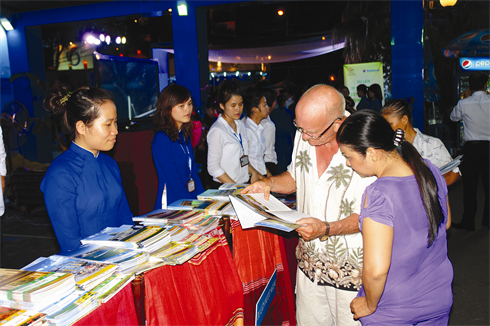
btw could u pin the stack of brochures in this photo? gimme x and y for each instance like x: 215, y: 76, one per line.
x: 227, y: 186
x: 111, y: 286
x: 148, y: 238
x: 12, y: 316
x: 88, y: 274
x: 75, y: 310
x: 28, y: 290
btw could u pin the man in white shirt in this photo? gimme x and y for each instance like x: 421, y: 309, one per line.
x: 256, y: 109
x: 329, y: 252
x: 474, y: 110
x: 269, y: 131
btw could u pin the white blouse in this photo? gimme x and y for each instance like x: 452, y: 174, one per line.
x: 270, y: 140
x: 225, y: 151
x: 256, y: 143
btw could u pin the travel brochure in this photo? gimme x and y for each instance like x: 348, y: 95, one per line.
x: 451, y: 165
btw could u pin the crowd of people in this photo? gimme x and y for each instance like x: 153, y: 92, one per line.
x: 374, y: 250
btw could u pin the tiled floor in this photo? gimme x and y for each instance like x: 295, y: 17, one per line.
x: 25, y: 238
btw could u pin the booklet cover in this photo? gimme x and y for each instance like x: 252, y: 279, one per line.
x: 451, y: 165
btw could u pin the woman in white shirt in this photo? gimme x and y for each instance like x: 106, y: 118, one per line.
x: 398, y: 114
x: 228, y: 148
x: 256, y: 109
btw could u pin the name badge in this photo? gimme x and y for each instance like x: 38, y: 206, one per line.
x: 191, y: 185
x: 244, y: 160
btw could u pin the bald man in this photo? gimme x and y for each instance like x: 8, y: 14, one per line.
x: 329, y: 251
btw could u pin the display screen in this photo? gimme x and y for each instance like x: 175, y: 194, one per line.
x: 133, y: 81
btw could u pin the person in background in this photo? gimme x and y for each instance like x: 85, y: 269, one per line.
x: 228, y: 149
x: 296, y: 96
x: 3, y: 172
x: 345, y: 91
x: 349, y: 104
x: 171, y: 147
x: 375, y: 98
x: 82, y: 188
x: 270, y: 156
x: 327, y: 279
x: 283, y: 120
x: 256, y: 110
x: 196, y: 129
x: 474, y: 110
x: 407, y: 275
x: 362, y: 93
x: 399, y: 116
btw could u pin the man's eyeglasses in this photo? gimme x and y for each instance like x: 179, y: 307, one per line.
x: 301, y: 130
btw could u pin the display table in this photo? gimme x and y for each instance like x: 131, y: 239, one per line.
x: 119, y: 310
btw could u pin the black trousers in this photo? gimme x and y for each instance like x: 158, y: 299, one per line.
x: 475, y: 167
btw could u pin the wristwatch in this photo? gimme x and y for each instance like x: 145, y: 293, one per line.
x: 327, y: 232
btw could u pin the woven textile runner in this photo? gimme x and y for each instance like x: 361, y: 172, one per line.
x: 257, y: 253
x: 204, y: 291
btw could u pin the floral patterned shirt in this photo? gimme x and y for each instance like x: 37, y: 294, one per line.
x: 332, y: 197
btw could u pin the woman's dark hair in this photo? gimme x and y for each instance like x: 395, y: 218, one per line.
x: 171, y: 96
x: 226, y: 90
x: 397, y: 108
x: 82, y: 104
x: 376, y: 89
x: 362, y: 88
x: 281, y: 101
x: 270, y: 96
x: 251, y: 99
x: 367, y: 128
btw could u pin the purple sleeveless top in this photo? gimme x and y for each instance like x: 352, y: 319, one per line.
x: 418, y: 285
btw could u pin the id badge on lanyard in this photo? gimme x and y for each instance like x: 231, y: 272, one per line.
x: 191, y: 185
x: 243, y: 158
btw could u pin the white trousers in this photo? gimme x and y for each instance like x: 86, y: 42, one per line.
x: 322, y: 305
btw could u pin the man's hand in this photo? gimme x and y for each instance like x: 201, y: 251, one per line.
x: 359, y: 308
x: 263, y: 185
x: 311, y: 228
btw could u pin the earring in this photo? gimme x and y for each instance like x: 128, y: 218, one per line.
x: 373, y: 159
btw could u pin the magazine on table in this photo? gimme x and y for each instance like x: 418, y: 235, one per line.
x: 130, y: 237
x: 217, y: 194
x: 254, y: 210
x: 88, y: 274
x: 165, y: 216
x: 226, y: 186
x: 210, y: 207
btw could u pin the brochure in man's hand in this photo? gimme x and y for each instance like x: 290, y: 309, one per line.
x: 451, y: 165
x: 254, y: 210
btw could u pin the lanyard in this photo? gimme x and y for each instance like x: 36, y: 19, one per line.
x: 239, y: 138
x: 186, y: 152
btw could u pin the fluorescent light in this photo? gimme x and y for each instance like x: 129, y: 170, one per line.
x: 6, y: 24
x: 182, y: 9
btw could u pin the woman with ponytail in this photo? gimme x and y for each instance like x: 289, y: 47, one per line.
x: 82, y: 188
x: 404, y: 216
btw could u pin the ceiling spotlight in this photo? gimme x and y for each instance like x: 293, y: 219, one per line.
x: 6, y: 24
x: 108, y: 39
x: 118, y: 40
x: 97, y: 42
x: 102, y: 37
x: 280, y: 12
x: 123, y: 40
x: 169, y: 9
x: 90, y: 39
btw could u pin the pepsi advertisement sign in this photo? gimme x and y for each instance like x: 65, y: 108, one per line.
x: 475, y: 63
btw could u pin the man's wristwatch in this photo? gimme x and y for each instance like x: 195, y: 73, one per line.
x: 327, y: 232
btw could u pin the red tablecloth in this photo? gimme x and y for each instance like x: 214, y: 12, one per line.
x: 204, y: 291
x: 119, y: 310
x: 257, y: 253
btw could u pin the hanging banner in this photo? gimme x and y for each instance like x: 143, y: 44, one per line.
x: 363, y: 73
